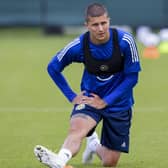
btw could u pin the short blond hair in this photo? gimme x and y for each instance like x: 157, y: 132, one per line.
x: 95, y: 10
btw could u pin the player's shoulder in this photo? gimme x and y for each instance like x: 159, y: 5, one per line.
x: 74, y: 43
x: 79, y: 40
x: 72, y: 47
x: 122, y: 34
x: 125, y: 38
x: 82, y: 37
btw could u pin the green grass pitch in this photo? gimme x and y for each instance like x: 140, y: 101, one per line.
x: 33, y: 111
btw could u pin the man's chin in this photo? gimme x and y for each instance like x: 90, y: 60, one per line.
x: 101, y: 39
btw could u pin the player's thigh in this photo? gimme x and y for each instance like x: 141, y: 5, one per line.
x: 84, y: 119
x: 82, y: 124
x: 115, y: 131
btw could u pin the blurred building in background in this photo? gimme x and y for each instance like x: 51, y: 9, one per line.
x: 153, y: 13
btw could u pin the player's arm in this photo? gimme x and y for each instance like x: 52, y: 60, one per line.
x: 61, y: 82
x: 58, y: 63
x: 128, y: 83
x: 131, y: 69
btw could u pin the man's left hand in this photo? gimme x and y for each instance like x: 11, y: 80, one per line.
x: 94, y: 101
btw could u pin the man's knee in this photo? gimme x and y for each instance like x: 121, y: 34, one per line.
x: 77, y: 133
x: 109, y: 158
x: 109, y: 163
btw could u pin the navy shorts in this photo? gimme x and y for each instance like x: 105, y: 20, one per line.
x: 115, y: 126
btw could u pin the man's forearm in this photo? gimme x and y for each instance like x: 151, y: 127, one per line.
x: 128, y: 83
x: 61, y: 82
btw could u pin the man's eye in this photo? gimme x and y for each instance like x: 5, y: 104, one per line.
x: 95, y: 24
x: 103, y: 23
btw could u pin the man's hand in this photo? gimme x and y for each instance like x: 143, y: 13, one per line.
x: 94, y: 101
x: 79, y: 98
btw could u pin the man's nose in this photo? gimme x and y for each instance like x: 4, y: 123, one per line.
x: 100, y: 27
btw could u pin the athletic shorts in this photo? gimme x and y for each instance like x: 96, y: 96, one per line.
x: 115, y: 126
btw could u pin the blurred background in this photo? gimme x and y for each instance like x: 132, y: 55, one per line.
x: 64, y: 13
x: 31, y: 106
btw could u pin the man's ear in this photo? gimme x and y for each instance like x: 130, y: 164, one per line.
x: 85, y: 24
x: 109, y: 19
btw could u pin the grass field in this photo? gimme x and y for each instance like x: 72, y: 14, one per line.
x: 33, y: 111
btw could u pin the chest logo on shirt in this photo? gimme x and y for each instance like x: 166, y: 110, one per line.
x: 104, y: 68
x: 80, y: 107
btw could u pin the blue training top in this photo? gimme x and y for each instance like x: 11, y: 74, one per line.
x: 117, y: 89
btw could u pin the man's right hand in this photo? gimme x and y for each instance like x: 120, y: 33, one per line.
x: 79, y: 98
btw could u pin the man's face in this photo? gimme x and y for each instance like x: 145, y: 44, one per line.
x: 98, y: 28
